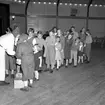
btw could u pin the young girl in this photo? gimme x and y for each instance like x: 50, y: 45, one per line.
x: 74, y: 51
x: 80, y: 52
x: 58, y: 52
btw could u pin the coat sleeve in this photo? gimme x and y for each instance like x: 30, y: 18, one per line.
x: 45, y: 46
x: 10, y: 45
x: 19, y: 52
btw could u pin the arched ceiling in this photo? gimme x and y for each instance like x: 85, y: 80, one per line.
x: 73, y: 1
x: 98, y: 2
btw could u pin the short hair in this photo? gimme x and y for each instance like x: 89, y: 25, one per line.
x: 31, y: 30
x: 88, y: 30
x: 39, y: 32
x: 14, y: 27
x: 57, y: 36
x: 73, y: 27
x: 9, y: 29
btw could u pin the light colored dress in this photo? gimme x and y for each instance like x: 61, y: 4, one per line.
x: 88, y: 43
x: 58, y: 51
x: 50, y: 53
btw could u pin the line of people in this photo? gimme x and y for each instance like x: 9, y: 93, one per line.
x: 34, y: 50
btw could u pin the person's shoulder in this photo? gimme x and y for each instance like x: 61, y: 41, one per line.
x: 47, y: 38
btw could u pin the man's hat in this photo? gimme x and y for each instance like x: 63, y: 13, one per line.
x: 22, y: 38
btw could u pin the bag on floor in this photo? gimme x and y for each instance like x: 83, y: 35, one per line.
x: 18, y: 83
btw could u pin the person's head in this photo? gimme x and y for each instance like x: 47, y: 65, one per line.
x: 67, y: 32
x: 22, y: 38
x: 83, y: 30
x: 88, y: 32
x: 72, y: 29
x: 8, y: 30
x: 54, y: 29
x: 16, y: 30
x: 81, y: 43
x: 58, y: 39
x: 39, y: 34
x: 59, y: 32
x: 77, y: 40
x: 51, y: 33
x: 69, y: 36
x: 31, y: 32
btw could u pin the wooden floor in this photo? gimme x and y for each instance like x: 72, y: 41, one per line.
x: 84, y: 85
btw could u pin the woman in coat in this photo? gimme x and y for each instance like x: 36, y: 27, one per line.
x: 67, y: 48
x: 50, y: 53
x: 88, y: 43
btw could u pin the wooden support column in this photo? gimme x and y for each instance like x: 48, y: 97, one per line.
x: 88, y: 8
x: 26, y: 7
x: 57, y: 12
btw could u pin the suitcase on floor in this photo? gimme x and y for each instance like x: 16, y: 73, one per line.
x: 18, y: 83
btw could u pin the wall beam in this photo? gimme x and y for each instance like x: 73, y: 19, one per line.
x: 26, y: 7
x: 57, y: 12
x: 88, y: 8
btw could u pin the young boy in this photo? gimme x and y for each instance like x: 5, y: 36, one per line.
x: 25, y: 53
x: 80, y: 52
x: 37, y: 57
x: 74, y: 51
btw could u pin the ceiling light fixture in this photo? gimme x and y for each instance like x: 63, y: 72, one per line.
x: 44, y: 3
x: 34, y: 2
x: 85, y: 5
x: 15, y: 0
x: 75, y: 4
x: 65, y: 3
x: 60, y: 3
x: 80, y: 4
x: 91, y: 5
x: 19, y: 1
x: 95, y: 5
x: 24, y: 2
x: 100, y: 5
x: 54, y: 3
x: 49, y: 3
x: 70, y: 4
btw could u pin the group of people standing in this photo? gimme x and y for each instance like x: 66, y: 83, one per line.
x: 30, y: 52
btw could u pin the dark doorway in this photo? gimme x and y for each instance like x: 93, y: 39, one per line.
x: 1, y: 27
x: 4, y: 18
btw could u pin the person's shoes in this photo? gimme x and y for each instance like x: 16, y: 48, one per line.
x: 3, y: 83
x: 46, y: 70
x: 26, y: 89
x: 75, y: 66
x: 12, y: 76
x: 51, y: 71
x: 34, y: 79
x: 66, y: 66
x: 70, y: 63
x: 57, y: 69
x: 40, y: 71
x: 88, y: 62
x: 37, y: 79
x: 6, y: 75
x: 30, y: 85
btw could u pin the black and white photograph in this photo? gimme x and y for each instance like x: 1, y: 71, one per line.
x: 52, y: 52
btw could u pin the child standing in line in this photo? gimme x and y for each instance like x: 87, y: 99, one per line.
x: 37, y: 58
x: 24, y: 52
x: 58, y: 48
x: 74, y: 51
x: 80, y: 52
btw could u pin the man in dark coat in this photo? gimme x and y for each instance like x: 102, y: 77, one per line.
x: 25, y: 53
